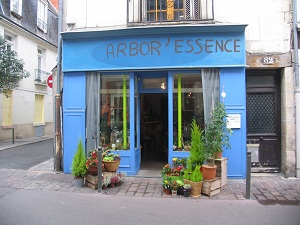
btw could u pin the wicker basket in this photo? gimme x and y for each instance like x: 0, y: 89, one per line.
x: 111, y: 166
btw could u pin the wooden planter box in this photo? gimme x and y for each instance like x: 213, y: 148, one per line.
x: 211, y: 187
x: 222, y: 170
x: 92, y: 180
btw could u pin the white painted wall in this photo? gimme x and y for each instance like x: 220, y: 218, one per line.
x: 268, y: 30
x: 95, y: 13
x: 24, y: 95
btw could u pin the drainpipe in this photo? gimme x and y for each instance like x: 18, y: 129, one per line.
x: 57, y: 125
x: 297, y: 88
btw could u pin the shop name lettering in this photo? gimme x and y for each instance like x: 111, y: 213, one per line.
x: 190, y: 46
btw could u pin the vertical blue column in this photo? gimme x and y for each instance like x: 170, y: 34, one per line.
x: 74, y: 93
x: 233, y: 83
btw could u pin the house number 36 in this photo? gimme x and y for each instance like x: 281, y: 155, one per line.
x: 268, y: 60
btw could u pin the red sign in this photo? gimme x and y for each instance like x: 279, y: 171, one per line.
x: 49, y: 81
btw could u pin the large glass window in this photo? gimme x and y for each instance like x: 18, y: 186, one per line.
x: 188, y: 105
x: 114, y: 111
x: 195, y: 96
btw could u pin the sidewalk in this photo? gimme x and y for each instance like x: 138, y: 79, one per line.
x: 42, y: 177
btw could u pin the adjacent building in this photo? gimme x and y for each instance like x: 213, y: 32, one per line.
x: 137, y: 72
x: 31, y: 28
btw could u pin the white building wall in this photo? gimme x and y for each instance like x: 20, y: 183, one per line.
x: 24, y: 95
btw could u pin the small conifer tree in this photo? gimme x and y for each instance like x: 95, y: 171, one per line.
x: 78, y: 165
x: 197, y: 151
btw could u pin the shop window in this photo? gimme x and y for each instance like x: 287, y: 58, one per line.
x: 114, y: 112
x: 194, y: 96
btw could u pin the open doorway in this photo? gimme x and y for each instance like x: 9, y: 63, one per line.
x: 154, y: 131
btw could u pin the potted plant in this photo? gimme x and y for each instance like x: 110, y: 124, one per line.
x: 105, y: 182
x: 187, y: 190
x: 78, y: 165
x: 197, y: 151
x: 166, y: 181
x: 195, y: 179
x: 111, y: 161
x: 216, y: 136
x: 166, y: 170
x: 92, y: 162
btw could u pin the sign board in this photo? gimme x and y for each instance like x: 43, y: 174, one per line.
x: 49, y: 81
x: 234, y: 121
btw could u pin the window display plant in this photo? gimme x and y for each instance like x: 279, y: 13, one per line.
x: 216, y: 134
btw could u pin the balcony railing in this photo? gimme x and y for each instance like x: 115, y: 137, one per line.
x: 41, y: 76
x: 157, y: 11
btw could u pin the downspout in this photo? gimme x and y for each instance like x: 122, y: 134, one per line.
x: 57, y: 124
x: 297, y: 88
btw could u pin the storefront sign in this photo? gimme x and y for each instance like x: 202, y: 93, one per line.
x: 155, y: 50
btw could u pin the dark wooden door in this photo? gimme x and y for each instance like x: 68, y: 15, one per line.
x: 263, y: 119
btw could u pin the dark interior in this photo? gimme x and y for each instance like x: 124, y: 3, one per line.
x: 154, y: 128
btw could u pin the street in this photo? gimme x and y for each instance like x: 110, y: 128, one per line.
x: 26, y: 156
x: 34, y: 207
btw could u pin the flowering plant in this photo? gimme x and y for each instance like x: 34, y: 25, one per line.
x: 93, y: 159
x: 166, y: 169
x: 166, y: 182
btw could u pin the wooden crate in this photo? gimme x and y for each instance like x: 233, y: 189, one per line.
x: 91, y: 181
x: 211, y: 187
x: 222, y: 170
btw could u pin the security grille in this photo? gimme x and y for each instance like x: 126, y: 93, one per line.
x: 261, y: 113
x: 192, y: 9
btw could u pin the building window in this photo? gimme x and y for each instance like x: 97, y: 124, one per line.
x: 114, y: 112
x: 195, y: 97
x: 42, y: 16
x: 7, y: 109
x: 40, y: 75
x: 169, y: 10
x: 10, y: 41
x: 16, y: 7
x: 39, y: 109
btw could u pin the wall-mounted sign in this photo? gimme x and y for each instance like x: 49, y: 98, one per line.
x: 234, y: 121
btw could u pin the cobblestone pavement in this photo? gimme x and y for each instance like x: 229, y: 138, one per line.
x: 272, y: 187
x: 42, y: 177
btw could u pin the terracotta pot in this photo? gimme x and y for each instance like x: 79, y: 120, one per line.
x: 112, y: 185
x: 168, y: 191
x: 209, y: 172
x: 218, y: 155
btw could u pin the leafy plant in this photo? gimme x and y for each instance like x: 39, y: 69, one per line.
x: 78, y: 164
x: 196, y: 175
x: 11, y: 68
x: 216, y: 133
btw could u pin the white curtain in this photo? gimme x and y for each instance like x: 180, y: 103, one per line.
x: 92, y: 110
x: 211, y: 90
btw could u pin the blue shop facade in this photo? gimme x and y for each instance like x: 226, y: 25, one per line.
x: 136, y: 91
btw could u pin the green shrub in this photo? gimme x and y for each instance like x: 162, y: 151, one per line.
x: 196, y: 175
x: 197, y: 151
x: 78, y: 165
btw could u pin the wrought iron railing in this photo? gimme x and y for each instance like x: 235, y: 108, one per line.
x: 153, y: 11
x: 41, y: 76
